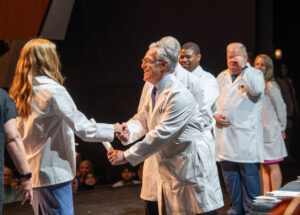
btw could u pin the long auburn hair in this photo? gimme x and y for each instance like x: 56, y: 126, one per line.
x: 38, y: 57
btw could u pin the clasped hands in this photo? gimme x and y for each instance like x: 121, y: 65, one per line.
x: 121, y: 131
x: 116, y: 157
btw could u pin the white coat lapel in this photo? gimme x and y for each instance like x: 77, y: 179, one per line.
x: 159, y: 104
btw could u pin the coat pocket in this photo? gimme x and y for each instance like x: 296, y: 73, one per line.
x: 178, y: 172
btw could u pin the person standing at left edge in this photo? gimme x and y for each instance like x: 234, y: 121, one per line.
x: 171, y: 123
x: 10, y: 137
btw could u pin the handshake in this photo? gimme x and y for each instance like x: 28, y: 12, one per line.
x: 116, y: 157
x: 121, y: 131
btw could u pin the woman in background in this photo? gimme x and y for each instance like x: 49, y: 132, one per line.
x: 274, y: 124
x: 47, y: 123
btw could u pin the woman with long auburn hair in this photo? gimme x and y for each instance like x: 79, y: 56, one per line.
x: 274, y: 119
x: 47, y: 123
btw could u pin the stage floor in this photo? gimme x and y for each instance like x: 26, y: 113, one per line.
x: 126, y: 200
x: 102, y: 201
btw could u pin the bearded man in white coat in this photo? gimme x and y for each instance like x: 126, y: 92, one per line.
x: 239, y: 133
x: 187, y: 178
x: 203, y: 99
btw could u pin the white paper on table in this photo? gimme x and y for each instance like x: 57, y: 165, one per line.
x: 107, y: 145
x: 266, y: 199
x: 282, y: 193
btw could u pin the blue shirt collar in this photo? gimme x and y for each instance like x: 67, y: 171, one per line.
x: 162, y: 83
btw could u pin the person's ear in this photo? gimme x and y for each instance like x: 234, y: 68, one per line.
x: 164, y: 65
x: 198, y: 57
x: 179, y: 53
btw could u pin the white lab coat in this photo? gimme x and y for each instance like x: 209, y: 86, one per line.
x: 274, y: 122
x: 204, y: 96
x: 209, y: 94
x: 188, y: 178
x: 241, y: 103
x: 48, y: 135
x: 210, y: 87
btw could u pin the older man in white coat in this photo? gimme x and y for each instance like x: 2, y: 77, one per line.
x: 187, y: 181
x: 202, y: 97
x: 239, y: 141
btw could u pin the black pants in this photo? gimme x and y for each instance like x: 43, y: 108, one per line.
x: 151, y: 207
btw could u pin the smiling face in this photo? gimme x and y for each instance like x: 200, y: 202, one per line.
x: 84, y: 168
x: 260, y: 64
x: 154, y: 68
x: 189, y: 59
x: 265, y: 64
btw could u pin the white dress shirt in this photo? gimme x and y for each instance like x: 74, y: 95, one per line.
x: 48, y: 133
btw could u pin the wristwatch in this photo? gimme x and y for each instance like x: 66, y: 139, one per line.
x: 26, y: 176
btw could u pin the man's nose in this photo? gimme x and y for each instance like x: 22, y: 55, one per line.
x: 143, y: 65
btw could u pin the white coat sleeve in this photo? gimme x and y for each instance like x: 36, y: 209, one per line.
x: 211, y: 94
x: 220, y: 89
x: 88, y: 131
x: 137, y: 127
x: 206, y: 93
x: 175, y: 118
x: 278, y: 103
x: 254, y: 80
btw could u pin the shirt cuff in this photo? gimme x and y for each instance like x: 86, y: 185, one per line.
x: 106, y: 131
x: 131, y: 158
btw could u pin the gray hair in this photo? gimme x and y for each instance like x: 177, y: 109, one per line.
x: 166, y: 53
x: 239, y: 46
x: 172, y: 42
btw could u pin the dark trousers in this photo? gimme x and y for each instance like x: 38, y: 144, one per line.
x: 242, y: 183
x: 151, y: 207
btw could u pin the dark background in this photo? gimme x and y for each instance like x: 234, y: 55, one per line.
x: 106, y: 40
x: 104, y: 45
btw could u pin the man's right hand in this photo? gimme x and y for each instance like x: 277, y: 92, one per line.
x: 221, y: 121
x: 116, y: 157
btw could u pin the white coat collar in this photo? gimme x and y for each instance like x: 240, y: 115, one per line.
x: 38, y: 80
x: 227, y: 74
x: 198, y: 71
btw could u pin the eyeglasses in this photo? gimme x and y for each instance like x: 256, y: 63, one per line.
x: 149, y: 60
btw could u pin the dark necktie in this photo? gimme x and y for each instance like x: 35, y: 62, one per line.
x: 233, y: 77
x: 153, y: 94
